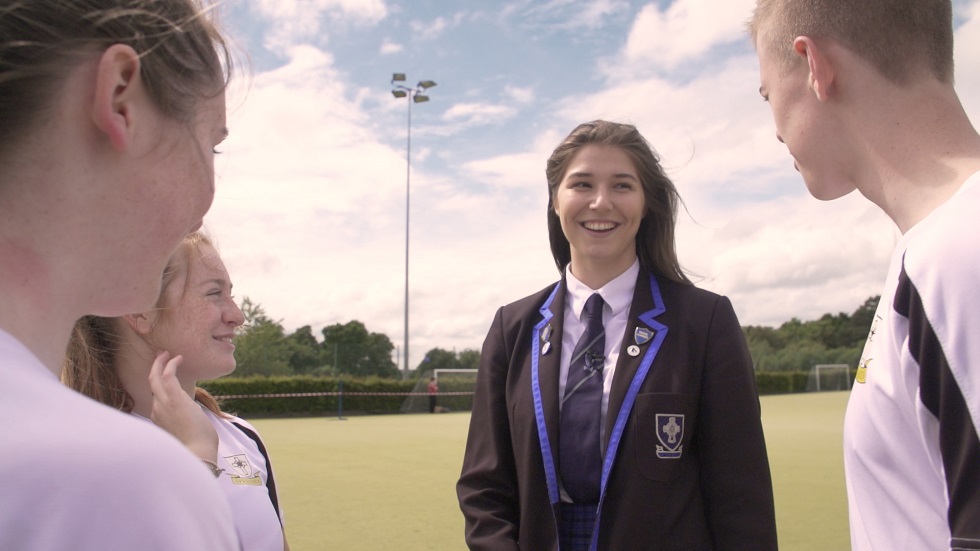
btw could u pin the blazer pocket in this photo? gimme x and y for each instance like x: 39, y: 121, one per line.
x: 663, y: 425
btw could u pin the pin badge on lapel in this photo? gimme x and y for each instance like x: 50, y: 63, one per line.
x: 546, y: 338
x: 642, y: 335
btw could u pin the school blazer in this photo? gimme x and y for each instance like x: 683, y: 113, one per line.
x: 686, y: 467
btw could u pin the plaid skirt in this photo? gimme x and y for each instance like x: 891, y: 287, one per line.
x: 575, y: 529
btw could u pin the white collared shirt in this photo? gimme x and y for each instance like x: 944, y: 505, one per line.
x: 617, y: 295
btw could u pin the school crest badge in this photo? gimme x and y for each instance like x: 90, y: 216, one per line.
x: 240, y: 464
x: 670, y: 433
x: 242, y: 470
x: 642, y: 335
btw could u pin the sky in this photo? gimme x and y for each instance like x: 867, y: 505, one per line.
x: 309, y: 213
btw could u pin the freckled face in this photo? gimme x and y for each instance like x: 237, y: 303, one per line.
x: 200, y: 317
x: 163, y: 197
x: 600, y: 204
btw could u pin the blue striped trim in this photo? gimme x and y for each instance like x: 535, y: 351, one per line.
x: 617, y: 433
x: 551, y: 476
x: 624, y: 412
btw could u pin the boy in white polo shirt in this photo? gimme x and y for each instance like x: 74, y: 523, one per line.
x: 862, y: 96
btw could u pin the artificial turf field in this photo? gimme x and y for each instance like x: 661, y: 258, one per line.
x: 388, y: 482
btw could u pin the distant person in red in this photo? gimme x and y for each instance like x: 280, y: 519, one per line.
x: 433, y: 389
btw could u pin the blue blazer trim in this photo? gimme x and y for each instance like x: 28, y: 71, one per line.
x: 551, y: 474
x: 660, y: 331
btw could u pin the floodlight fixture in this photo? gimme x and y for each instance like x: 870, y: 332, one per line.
x: 417, y: 96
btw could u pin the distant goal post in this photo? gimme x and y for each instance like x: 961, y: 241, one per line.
x: 456, y: 388
x: 825, y: 377
x: 455, y: 391
x: 437, y: 372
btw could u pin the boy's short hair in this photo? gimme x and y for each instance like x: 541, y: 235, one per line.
x: 898, y: 37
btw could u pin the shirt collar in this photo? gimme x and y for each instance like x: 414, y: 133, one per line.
x: 617, y: 294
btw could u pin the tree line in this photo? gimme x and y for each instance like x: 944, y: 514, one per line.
x: 798, y: 346
x: 263, y: 347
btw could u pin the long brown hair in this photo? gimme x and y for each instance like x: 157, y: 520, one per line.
x: 655, y: 238
x: 184, y: 58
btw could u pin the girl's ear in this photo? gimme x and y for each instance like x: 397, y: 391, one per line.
x: 142, y: 323
x: 117, y: 95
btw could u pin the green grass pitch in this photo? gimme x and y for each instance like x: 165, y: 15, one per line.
x: 388, y: 482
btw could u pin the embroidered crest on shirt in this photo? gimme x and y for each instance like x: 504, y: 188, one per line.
x: 670, y: 432
x: 865, y: 363
x: 241, y: 472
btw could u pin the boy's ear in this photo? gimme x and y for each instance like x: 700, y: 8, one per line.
x: 142, y: 324
x: 822, y: 72
x: 118, y: 94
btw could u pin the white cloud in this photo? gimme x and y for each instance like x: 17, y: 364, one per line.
x: 430, y: 30
x: 684, y: 32
x: 573, y: 14
x: 479, y: 113
x: 359, y: 10
x: 597, y: 9
x: 592, y: 14
x: 295, y: 21
x: 514, y: 172
x: 388, y: 47
x: 792, y: 257
x: 520, y: 95
x: 507, y: 171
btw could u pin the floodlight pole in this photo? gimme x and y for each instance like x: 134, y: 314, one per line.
x: 413, y: 95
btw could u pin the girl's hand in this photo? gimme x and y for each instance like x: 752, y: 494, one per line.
x: 176, y: 412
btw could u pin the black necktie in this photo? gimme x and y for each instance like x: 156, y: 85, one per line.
x: 578, y: 440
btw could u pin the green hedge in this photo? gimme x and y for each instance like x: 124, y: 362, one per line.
x: 781, y: 382
x: 774, y: 382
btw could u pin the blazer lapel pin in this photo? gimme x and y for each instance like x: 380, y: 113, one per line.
x: 641, y: 336
x: 546, y: 338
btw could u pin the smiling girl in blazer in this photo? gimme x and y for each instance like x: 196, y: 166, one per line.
x: 681, y: 461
